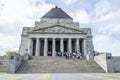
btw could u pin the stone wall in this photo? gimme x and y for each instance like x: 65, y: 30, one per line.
x: 3, y: 64
x: 90, y: 45
x: 116, y: 63
x: 105, y: 61
x: 24, y: 45
x: 14, y: 62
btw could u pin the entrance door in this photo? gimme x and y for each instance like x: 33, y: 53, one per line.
x: 73, y: 45
x: 57, y: 45
x: 42, y: 48
x: 34, y: 47
x: 65, y: 45
x: 49, y: 47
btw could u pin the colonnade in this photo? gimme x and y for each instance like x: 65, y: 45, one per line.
x: 45, y: 42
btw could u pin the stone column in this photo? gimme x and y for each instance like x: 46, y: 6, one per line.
x: 45, y: 47
x: 61, y: 45
x: 85, y: 46
x: 30, y: 46
x: 77, y: 45
x: 69, y: 45
x: 37, y: 51
x: 53, y: 47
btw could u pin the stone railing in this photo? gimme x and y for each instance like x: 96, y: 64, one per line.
x: 26, y: 56
x: 105, y: 61
x: 14, y: 62
x: 90, y: 56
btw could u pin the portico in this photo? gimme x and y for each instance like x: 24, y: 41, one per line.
x: 42, y: 46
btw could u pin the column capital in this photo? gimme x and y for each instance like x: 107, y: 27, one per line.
x: 37, y: 38
x: 45, y: 38
x: 77, y: 38
x: 53, y: 38
x: 84, y: 38
x: 29, y: 38
x: 61, y: 38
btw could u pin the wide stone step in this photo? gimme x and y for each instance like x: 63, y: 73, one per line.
x: 3, y: 68
x: 59, y: 65
x: 62, y: 61
x: 46, y: 57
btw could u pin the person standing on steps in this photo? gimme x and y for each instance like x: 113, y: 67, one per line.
x: 74, y: 55
x: 67, y: 55
x: 80, y: 55
x: 55, y: 53
x: 60, y: 54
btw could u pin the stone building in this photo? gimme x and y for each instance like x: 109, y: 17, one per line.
x: 55, y: 32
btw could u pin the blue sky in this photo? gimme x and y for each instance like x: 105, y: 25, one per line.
x: 103, y: 16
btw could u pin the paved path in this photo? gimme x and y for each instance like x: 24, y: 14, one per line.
x: 68, y: 76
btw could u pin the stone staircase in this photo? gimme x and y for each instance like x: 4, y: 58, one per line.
x: 59, y: 65
x: 3, y: 67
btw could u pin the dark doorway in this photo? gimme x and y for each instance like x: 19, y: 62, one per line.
x: 49, y: 47
x: 73, y: 45
x: 81, y: 44
x: 34, y: 47
x: 65, y: 45
x: 57, y: 45
x: 42, y: 48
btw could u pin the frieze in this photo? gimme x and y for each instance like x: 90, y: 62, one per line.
x: 57, y: 29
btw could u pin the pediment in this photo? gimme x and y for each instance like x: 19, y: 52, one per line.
x: 57, y: 29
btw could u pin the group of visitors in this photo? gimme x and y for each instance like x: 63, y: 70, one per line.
x: 67, y: 55
x: 73, y: 55
x: 59, y: 53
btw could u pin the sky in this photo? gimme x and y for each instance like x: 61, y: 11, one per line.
x: 102, y: 16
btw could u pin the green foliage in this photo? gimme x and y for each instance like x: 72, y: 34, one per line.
x: 8, y: 53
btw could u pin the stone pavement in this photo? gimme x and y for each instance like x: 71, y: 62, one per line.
x: 61, y: 76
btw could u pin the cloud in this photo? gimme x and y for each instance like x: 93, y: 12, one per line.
x: 107, y: 26
x: 18, y: 13
x: 109, y: 22
x: 105, y: 43
x: 69, y: 2
x: 81, y: 16
x: 14, y: 14
x: 1, y: 7
x: 8, y: 42
x: 23, y: 10
x: 110, y: 16
x: 110, y: 29
x: 102, y: 7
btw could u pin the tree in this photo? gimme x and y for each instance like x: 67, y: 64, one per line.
x: 9, y: 52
